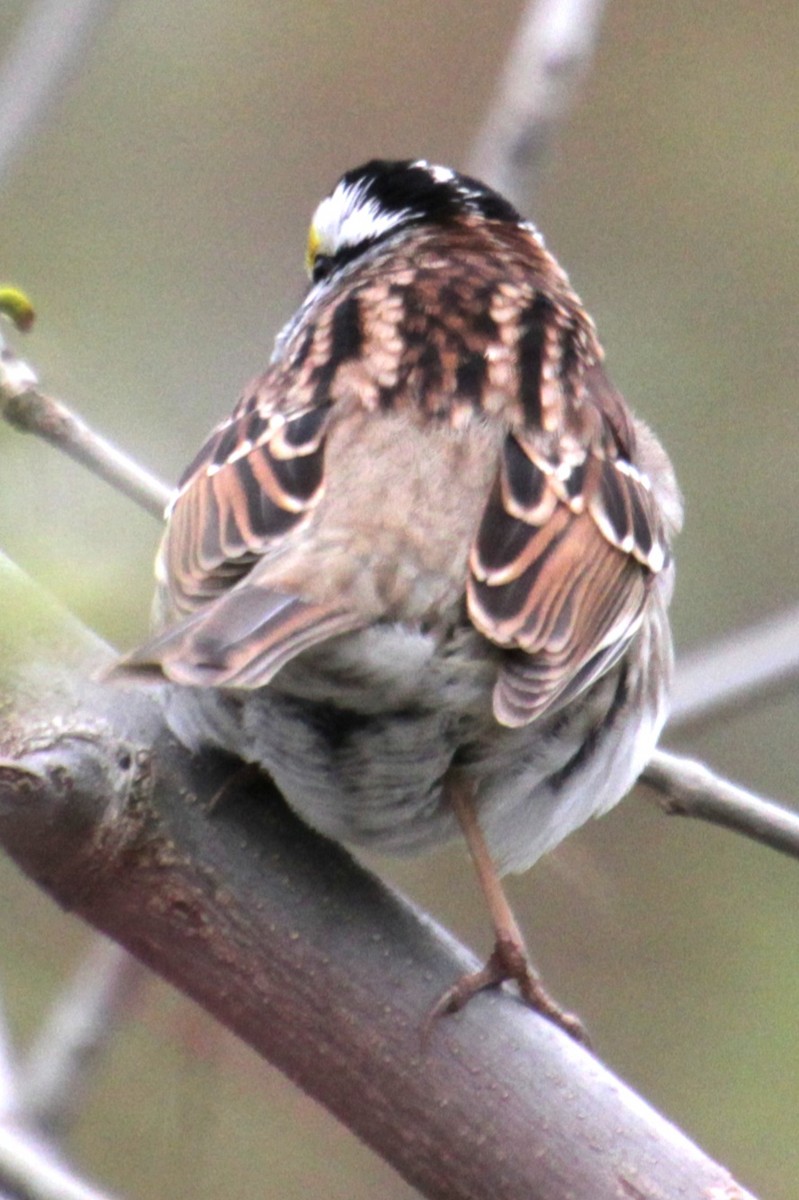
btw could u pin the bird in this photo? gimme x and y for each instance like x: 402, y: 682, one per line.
x: 420, y: 575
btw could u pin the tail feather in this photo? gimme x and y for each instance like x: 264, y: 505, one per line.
x: 241, y: 640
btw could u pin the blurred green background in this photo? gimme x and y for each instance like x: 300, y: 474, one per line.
x: 158, y: 221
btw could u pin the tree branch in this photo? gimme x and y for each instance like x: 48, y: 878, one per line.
x: 30, y: 1172
x: 208, y: 879
x: 737, y: 671
x: 31, y: 411
x: 46, y: 52
x: 689, y: 789
x: 550, y: 54
x: 54, y: 1076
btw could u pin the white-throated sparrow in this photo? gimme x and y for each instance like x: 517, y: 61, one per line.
x: 420, y: 575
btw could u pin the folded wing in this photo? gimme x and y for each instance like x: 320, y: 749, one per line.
x: 251, y: 488
x: 567, y: 550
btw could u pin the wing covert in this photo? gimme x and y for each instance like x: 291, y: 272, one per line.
x: 567, y: 549
x: 256, y: 481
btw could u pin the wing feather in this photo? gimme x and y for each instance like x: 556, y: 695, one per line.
x: 240, y: 499
x: 568, y: 546
x: 240, y: 640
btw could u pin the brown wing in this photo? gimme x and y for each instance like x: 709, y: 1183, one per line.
x: 241, y: 639
x: 254, y: 483
x: 560, y: 570
x: 256, y: 480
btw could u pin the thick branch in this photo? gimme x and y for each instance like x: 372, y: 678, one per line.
x: 208, y: 879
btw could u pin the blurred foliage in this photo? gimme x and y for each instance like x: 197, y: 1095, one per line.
x: 159, y: 220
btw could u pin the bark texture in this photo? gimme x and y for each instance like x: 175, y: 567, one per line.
x: 198, y: 868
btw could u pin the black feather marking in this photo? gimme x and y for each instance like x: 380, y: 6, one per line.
x: 470, y: 376
x: 641, y: 529
x: 587, y: 748
x: 346, y: 339
x: 450, y: 297
x: 266, y: 519
x: 226, y: 444
x: 299, y: 476
x: 534, y: 321
x: 304, y: 348
x: 488, y: 203
x: 430, y: 367
x: 575, y: 480
x: 525, y: 480
x: 569, y: 359
x: 612, y: 493
x: 303, y: 430
x: 505, y: 601
x: 485, y: 326
x: 414, y: 193
x: 481, y: 320
x: 501, y: 537
x: 253, y: 427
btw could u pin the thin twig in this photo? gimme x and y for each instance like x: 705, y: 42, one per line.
x: 29, y: 1171
x: 33, y: 412
x: 690, y: 789
x: 736, y: 670
x: 8, y: 1077
x: 29, y: 410
x: 52, y: 1081
x: 550, y: 54
x: 47, y: 50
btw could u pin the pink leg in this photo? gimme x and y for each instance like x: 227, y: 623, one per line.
x: 509, y: 959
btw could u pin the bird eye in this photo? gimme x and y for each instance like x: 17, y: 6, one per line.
x: 322, y: 266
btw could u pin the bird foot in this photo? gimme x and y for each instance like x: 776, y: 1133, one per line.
x: 509, y: 962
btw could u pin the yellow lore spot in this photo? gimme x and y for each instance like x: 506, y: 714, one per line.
x: 312, y: 249
x: 15, y: 305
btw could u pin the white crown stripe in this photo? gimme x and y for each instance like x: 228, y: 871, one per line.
x: 348, y: 218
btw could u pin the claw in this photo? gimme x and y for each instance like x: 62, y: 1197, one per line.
x: 508, y: 963
x: 509, y: 959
